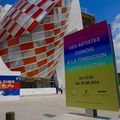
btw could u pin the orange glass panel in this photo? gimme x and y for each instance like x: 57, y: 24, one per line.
x: 29, y: 60
x: 32, y: 73
x: 41, y: 63
x: 4, y: 51
x: 40, y: 50
x: 27, y: 46
x: 13, y: 42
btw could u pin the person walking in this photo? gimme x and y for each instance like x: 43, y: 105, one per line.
x: 57, y: 89
x: 61, y: 89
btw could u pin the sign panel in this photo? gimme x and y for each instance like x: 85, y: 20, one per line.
x: 90, y: 69
x: 9, y: 85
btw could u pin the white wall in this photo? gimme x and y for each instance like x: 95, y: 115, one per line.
x: 75, y: 23
x: 37, y: 91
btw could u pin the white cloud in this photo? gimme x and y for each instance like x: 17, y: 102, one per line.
x: 116, y: 23
x: 116, y: 39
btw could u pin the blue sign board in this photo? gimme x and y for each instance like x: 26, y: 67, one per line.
x: 9, y: 85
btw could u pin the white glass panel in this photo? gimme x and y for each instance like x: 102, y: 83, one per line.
x: 41, y: 56
x: 38, y: 36
x: 29, y: 53
x: 39, y: 43
x: 31, y: 67
x: 25, y: 38
x: 5, y: 58
x: 16, y: 63
x: 50, y: 46
x: 13, y: 49
x: 15, y: 56
x: 22, y: 19
x: 46, y: 5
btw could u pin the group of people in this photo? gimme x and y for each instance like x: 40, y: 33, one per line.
x: 59, y: 89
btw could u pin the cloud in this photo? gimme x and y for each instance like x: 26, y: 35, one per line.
x: 116, y: 39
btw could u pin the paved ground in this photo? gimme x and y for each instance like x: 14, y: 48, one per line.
x: 42, y: 107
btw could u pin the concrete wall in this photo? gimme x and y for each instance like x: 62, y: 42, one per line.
x: 75, y: 24
x: 37, y: 91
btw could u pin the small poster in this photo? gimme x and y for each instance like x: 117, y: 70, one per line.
x: 9, y: 85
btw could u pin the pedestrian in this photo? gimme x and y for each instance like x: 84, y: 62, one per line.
x: 57, y: 89
x: 61, y: 89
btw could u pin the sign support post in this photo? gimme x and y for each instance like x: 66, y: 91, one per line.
x: 91, y: 113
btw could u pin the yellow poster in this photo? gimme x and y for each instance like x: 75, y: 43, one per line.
x: 90, y: 71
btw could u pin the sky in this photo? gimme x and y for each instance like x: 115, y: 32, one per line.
x: 106, y: 10
x: 103, y: 10
x: 9, y: 1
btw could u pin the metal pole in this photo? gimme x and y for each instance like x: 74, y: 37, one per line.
x: 91, y: 113
x: 10, y: 116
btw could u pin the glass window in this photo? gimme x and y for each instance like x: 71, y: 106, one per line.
x: 50, y: 58
x: 22, y: 19
x: 15, y: 56
x: 32, y: 1
x: 41, y: 16
x: 57, y: 48
x: 37, y: 1
x: 3, y: 45
x: 41, y: 56
x: 48, y: 19
x: 20, y: 5
x: 26, y: 7
x: 35, y: 82
x: 29, y: 53
x: 16, y: 63
x: 15, y: 14
x: 39, y: 43
x: 10, y: 11
x: 50, y: 46
x: 56, y: 17
x: 28, y: 23
x: 57, y: 10
x: 42, y: 68
x: 4, y: 37
x: 49, y: 33
x: 61, y: 40
x: 5, y: 58
x: 46, y: 5
x: 38, y: 36
x: 62, y: 28
x: 10, y: 24
x: 57, y: 37
x: 68, y: 8
x: 13, y: 49
x: 39, y: 28
x: 15, y: 30
x: 25, y: 38
x: 57, y: 24
x: 33, y: 11
x: 31, y: 67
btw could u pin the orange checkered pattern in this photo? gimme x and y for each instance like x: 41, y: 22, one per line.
x: 31, y: 36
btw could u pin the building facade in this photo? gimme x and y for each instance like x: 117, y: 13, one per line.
x: 31, y: 36
x: 88, y: 19
x: 4, y: 10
